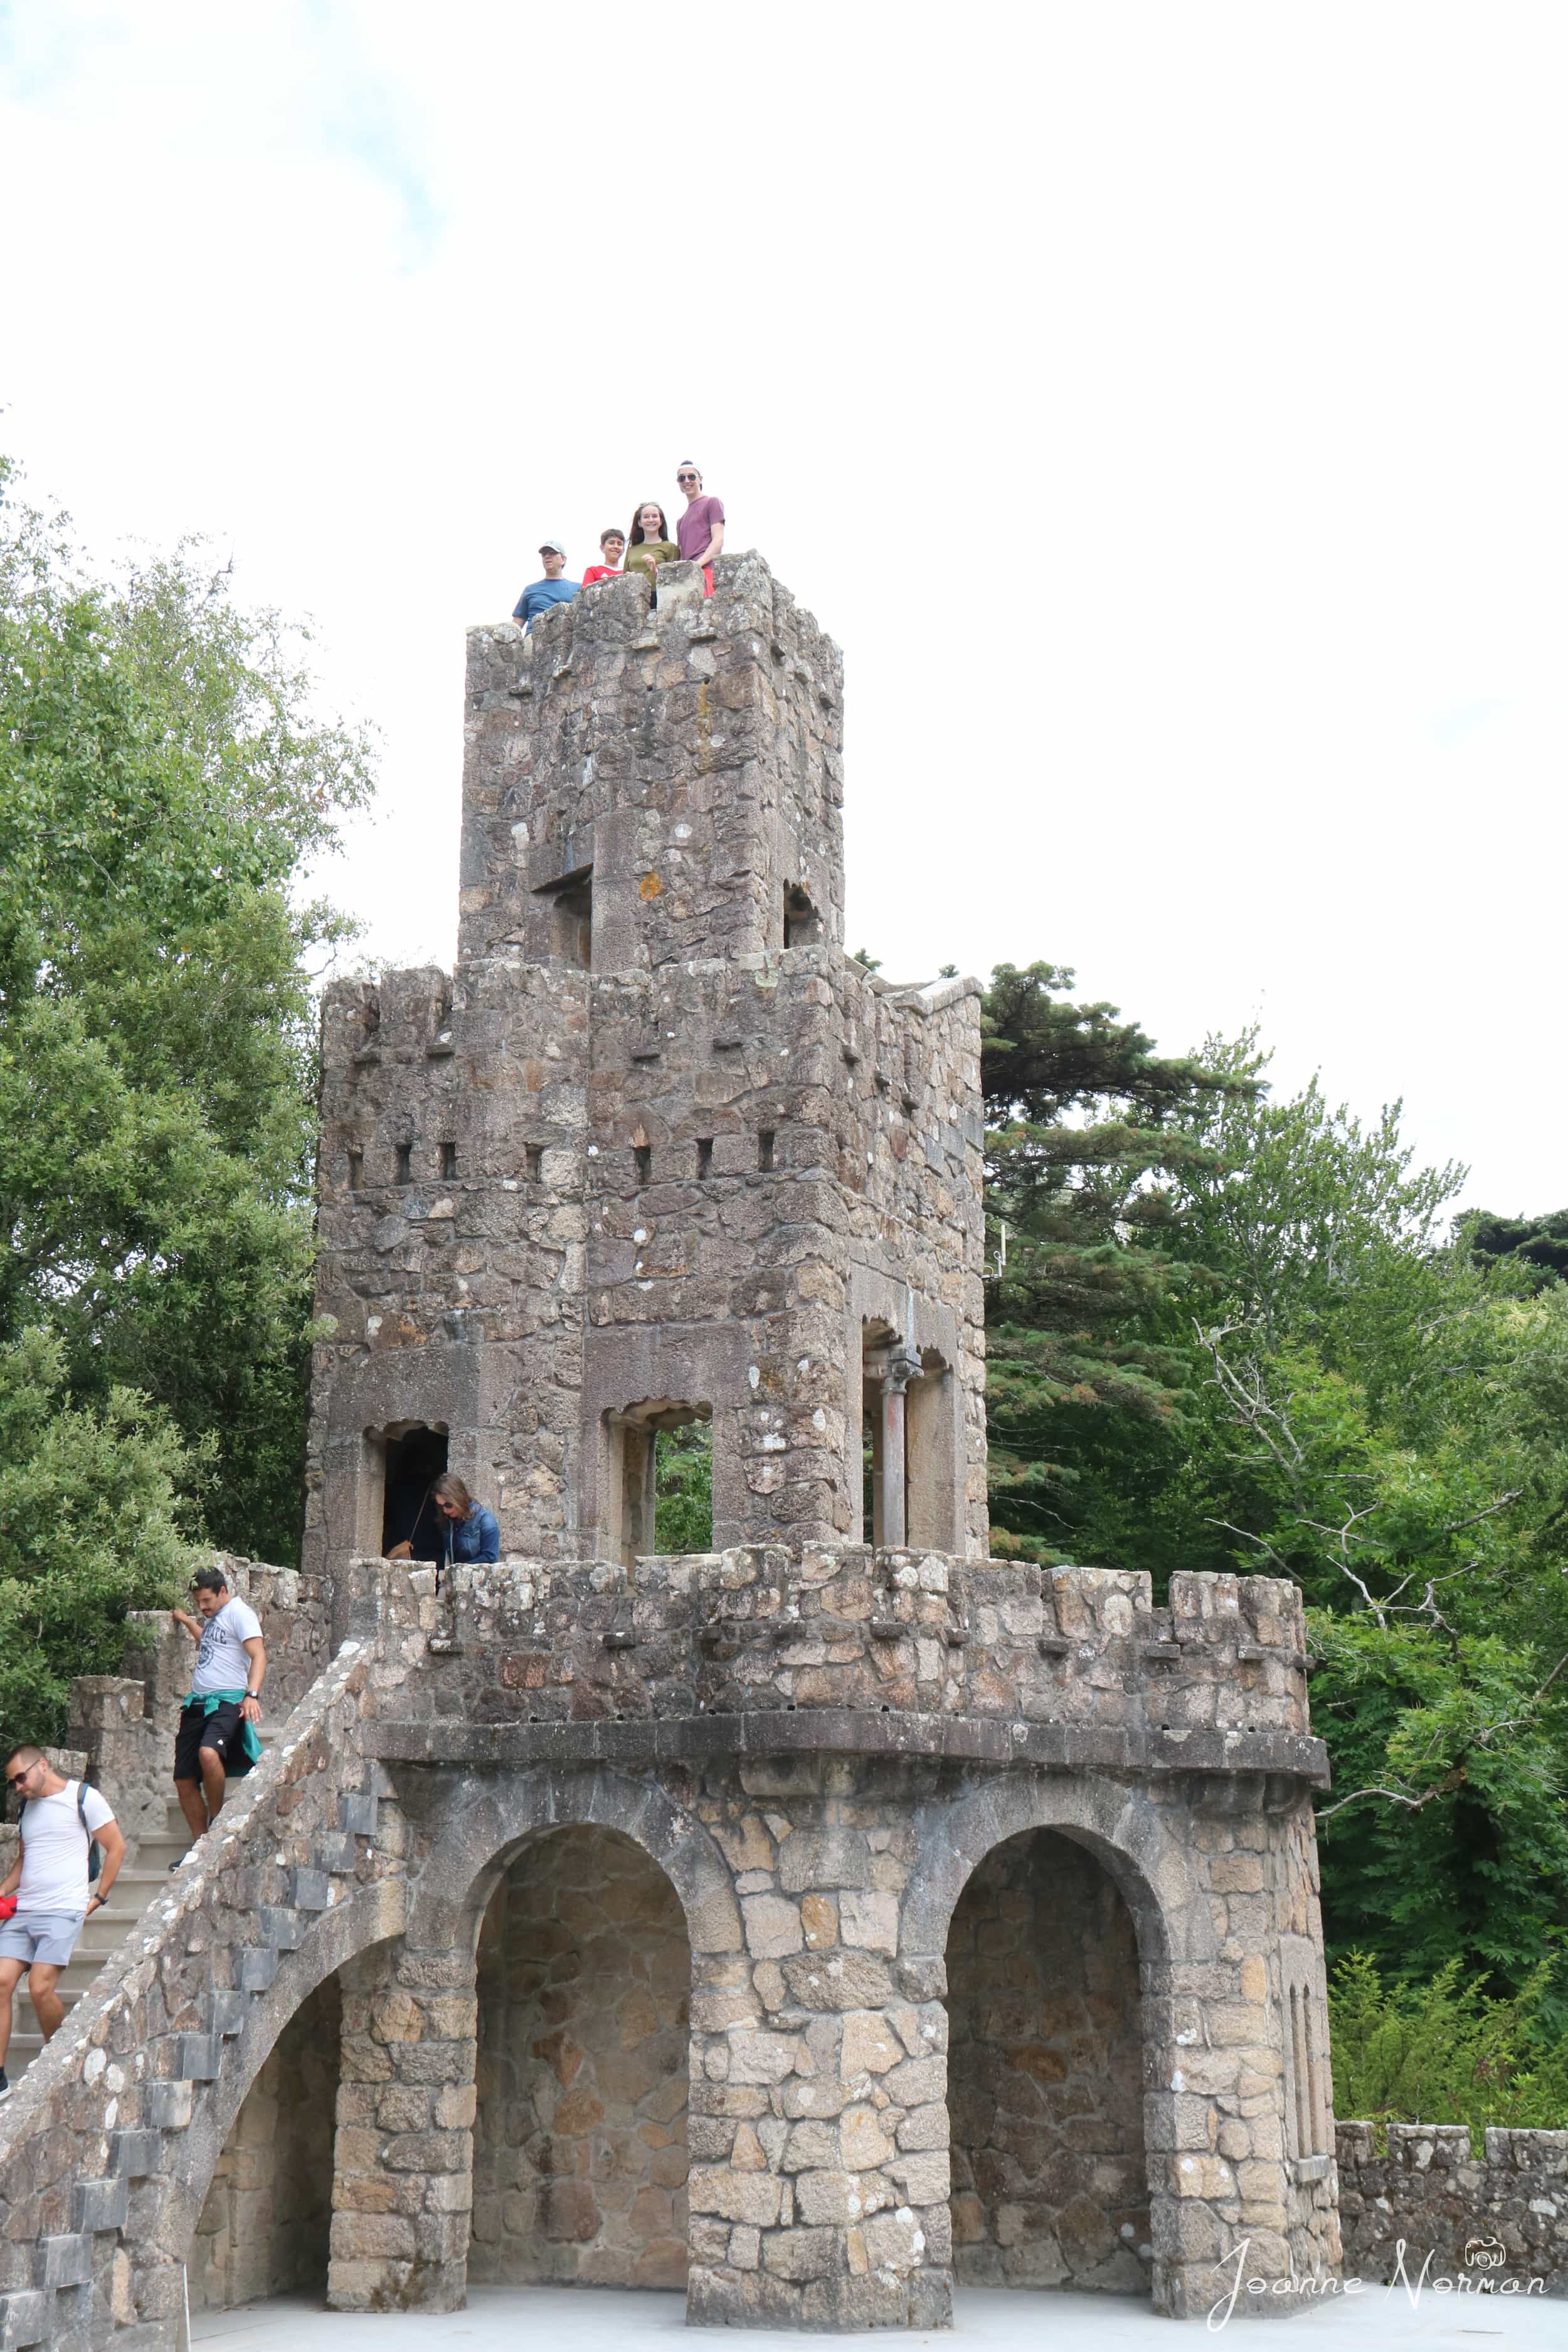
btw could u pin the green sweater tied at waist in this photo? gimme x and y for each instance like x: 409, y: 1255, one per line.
x: 249, y: 1745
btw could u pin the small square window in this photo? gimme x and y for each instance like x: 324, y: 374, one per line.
x: 766, y: 1151
x: 642, y: 1155
x: 448, y: 1160
x: 704, y: 1157
x: 533, y: 1162
x: 405, y: 1163
x: 356, y: 1167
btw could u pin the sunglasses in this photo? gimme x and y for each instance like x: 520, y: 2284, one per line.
x: 688, y: 478
x: 16, y: 1779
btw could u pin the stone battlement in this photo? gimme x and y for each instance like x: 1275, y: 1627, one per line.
x: 929, y: 1654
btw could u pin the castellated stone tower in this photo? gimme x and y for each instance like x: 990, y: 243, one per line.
x: 813, y: 1920
x: 658, y: 1151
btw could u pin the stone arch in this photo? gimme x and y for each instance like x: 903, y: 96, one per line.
x: 583, y: 2068
x: 1121, y: 1826
x: 348, y: 1932
x: 1134, y: 1841
x: 482, y: 1820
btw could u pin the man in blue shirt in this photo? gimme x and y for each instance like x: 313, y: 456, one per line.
x: 539, y: 596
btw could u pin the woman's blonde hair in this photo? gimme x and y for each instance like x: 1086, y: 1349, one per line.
x: 449, y: 1488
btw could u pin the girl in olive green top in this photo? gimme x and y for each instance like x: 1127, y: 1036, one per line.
x: 650, y: 545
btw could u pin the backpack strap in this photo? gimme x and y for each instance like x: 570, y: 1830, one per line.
x: 94, y: 1859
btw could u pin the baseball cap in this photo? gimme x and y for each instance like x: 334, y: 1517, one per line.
x: 551, y: 547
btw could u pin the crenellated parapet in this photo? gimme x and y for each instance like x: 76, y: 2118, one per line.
x: 910, y: 1653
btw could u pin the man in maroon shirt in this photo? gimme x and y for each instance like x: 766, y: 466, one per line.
x: 699, y: 533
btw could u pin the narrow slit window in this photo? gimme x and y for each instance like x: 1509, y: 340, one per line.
x: 448, y: 1160
x: 405, y: 1163
x: 533, y: 1162
x: 642, y: 1153
x: 766, y: 1151
x: 704, y: 1157
x: 356, y: 1167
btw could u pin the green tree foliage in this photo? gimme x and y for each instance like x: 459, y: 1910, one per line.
x: 1088, y: 1130
x: 93, y: 1522
x: 683, y: 1488
x: 1233, y: 1334
x: 162, y: 778
x: 1440, y: 2050
x: 1538, y: 1245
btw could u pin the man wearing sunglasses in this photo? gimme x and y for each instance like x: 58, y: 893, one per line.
x: 699, y: 533
x: 61, y: 1822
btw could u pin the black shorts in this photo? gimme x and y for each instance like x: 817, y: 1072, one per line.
x: 220, y: 1731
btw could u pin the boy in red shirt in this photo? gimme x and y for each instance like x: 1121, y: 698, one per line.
x: 612, y: 547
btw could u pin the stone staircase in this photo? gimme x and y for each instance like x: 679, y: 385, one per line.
x: 143, y: 1878
x: 144, y: 2076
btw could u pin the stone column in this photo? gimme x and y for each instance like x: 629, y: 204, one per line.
x: 402, y: 2175
x: 818, y: 2134
x: 896, y: 1379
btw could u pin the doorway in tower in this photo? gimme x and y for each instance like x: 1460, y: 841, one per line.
x: 415, y: 1458
x: 908, y: 1467
x: 659, y: 1491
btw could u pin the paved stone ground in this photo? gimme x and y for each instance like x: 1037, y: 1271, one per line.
x: 1000, y: 2319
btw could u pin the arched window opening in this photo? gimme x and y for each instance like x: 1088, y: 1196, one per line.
x: 802, y: 920
x: 660, y: 1487
x: 908, y: 1451
x: 413, y: 1458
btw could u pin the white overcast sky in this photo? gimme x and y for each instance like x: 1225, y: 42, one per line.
x: 1165, y: 406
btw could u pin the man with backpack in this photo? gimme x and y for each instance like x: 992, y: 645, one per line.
x: 56, y: 1881
x: 217, y: 1741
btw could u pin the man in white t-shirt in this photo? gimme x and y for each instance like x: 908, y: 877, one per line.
x: 216, y: 1739
x: 61, y: 1822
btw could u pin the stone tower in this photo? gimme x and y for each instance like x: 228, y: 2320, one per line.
x: 810, y: 1920
x: 658, y: 1151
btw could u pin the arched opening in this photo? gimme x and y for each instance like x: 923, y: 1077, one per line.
x: 266, y: 2222
x: 585, y: 1987
x: 660, y: 1490
x: 909, y: 1457
x: 1046, y: 2074
x: 415, y: 1458
x: 802, y: 920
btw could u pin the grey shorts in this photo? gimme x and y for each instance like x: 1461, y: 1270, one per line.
x: 47, y: 1936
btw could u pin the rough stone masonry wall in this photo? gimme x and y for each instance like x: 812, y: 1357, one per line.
x: 585, y: 1995
x: 456, y: 1301
x: 1045, y: 2075
x: 1500, y: 2220
x: 1051, y: 1666
x: 526, y: 1270
x: 266, y: 2225
x: 692, y: 755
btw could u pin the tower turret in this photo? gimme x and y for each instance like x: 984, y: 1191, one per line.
x: 659, y: 1152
